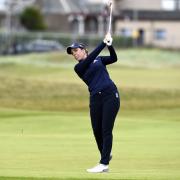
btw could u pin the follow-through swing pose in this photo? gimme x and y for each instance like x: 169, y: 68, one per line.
x: 104, y: 96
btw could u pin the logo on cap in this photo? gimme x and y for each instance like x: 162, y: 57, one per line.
x: 75, y: 45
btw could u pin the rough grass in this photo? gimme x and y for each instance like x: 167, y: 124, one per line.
x: 46, y: 95
x: 48, y: 82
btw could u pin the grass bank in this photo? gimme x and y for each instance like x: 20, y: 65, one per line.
x: 48, y: 82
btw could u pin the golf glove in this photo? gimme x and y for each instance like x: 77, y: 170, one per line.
x: 108, y: 39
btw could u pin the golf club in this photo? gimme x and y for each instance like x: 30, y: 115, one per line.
x: 110, y: 17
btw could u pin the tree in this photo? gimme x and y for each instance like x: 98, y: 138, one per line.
x: 32, y: 19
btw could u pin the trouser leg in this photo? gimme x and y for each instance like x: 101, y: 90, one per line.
x: 111, y: 106
x: 96, y: 122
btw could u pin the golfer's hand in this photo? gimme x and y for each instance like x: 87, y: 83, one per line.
x: 108, y: 39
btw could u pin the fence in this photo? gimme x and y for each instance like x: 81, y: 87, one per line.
x: 9, y: 41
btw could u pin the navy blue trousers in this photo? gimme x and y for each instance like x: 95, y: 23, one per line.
x: 104, y: 107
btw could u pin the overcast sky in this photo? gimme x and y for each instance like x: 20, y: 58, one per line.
x: 2, y: 4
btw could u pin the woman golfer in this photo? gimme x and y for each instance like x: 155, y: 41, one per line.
x: 104, y: 96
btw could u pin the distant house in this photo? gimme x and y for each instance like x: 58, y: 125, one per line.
x: 74, y: 16
x: 155, y: 22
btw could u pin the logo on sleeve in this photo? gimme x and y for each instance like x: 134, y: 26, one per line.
x: 117, y: 95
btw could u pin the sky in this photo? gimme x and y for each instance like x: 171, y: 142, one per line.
x: 1, y: 4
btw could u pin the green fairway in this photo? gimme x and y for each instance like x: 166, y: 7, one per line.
x: 45, y: 130
x: 46, y: 144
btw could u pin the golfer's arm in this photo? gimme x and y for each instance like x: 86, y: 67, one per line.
x: 110, y: 59
x: 83, y: 65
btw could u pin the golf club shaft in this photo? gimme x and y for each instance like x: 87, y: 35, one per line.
x: 110, y: 19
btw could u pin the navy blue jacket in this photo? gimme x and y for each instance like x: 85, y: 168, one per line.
x: 93, y: 72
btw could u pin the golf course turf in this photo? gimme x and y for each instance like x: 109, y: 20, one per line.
x: 45, y: 130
